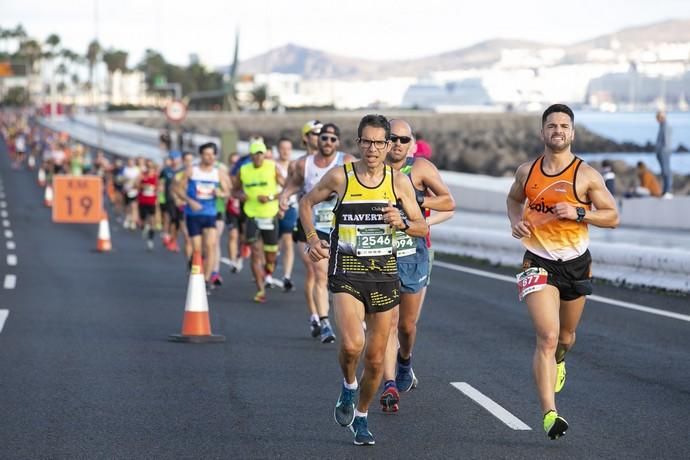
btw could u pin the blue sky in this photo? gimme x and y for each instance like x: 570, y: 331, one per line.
x: 394, y: 29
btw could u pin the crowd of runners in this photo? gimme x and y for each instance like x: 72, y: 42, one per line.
x: 359, y: 222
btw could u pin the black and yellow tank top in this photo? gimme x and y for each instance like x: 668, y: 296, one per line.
x: 362, y: 245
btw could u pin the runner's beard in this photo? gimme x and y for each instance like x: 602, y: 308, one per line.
x: 559, y: 147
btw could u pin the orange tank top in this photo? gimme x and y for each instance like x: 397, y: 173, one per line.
x: 553, y: 238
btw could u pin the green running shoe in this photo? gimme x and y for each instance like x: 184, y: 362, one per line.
x: 555, y: 426
x: 560, y: 375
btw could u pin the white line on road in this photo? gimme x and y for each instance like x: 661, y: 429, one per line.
x: 8, y: 234
x: 11, y: 246
x: 490, y: 405
x: 595, y: 298
x: 4, y: 214
x: 5, y: 223
x: 10, y: 281
x: 12, y: 260
x: 3, y: 317
x: 3, y: 204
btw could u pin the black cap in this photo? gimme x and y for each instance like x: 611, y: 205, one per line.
x: 333, y: 127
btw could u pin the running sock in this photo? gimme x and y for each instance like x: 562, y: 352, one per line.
x: 314, y: 317
x: 360, y: 414
x: 561, y: 350
x: 351, y: 386
x: 388, y: 384
x: 404, y: 361
x: 324, y: 320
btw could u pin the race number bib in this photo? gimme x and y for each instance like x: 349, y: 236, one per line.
x: 148, y: 190
x: 374, y: 241
x: 323, y: 219
x: 265, y: 223
x: 404, y: 244
x: 205, y: 191
x: 531, y: 280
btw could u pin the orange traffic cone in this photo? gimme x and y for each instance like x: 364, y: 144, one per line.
x: 48, y: 196
x: 196, y: 326
x: 103, y: 244
x: 41, y: 177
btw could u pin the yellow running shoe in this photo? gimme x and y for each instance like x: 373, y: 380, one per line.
x: 560, y: 375
x: 555, y: 426
x: 260, y: 297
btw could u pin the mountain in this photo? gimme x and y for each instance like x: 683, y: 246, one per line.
x: 317, y: 64
x: 672, y: 31
x: 306, y: 61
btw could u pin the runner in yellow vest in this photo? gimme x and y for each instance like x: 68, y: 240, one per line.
x: 257, y: 188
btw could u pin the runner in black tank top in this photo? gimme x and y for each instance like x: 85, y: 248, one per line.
x: 363, y: 269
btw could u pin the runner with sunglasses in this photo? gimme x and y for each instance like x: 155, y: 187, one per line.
x: 363, y: 273
x: 306, y: 173
x: 414, y: 265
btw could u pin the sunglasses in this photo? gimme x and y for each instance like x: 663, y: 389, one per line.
x: 402, y: 139
x: 333, y: 139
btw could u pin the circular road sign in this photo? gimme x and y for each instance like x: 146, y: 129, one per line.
x: 176, y: 111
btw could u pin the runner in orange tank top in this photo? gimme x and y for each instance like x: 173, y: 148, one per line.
x: 550, y: 205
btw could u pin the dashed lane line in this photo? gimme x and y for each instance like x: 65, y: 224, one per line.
x: 12, y: 260
x: 9, y: 234
x: 10, y: 281
x: 3, y: 317
x: 595, y: 298
x: 489, y: 404
x: 11, y: 246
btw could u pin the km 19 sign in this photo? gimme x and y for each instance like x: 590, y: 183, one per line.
x: 78, y: 199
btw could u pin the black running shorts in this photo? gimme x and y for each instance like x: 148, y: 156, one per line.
x: 377, y: 296
x: 572, y: 278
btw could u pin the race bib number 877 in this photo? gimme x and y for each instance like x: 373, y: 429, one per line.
x: 531, y: 280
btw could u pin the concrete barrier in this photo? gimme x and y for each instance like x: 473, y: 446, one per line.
x: 626, y: 264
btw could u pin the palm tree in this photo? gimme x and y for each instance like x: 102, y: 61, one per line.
x: 52, y: 41
x: 114, y: 60
x: 92, y: 55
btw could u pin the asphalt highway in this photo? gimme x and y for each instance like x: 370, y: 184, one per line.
x: 86, y: 370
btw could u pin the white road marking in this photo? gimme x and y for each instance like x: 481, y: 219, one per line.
x: 10, y: 281
x: 8, y: 234
x: 3, y: 204
x: 11, y: 246
x: 4, y: 214
x: 595, y: 298
x: 3, y: 317
x: 5, y: 223
x: 490, y: 405
x: 12, y: 260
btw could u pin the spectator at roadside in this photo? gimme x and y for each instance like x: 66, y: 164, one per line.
x: 609, y: 176
x: 648, y: 183
x: 663, y: 153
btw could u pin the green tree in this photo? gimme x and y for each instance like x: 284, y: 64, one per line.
x: 16, y: 97
x: 260, y: 94
x: 93, y: 53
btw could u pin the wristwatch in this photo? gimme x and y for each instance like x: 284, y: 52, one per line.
x: 406, y: 225
x: 580, y: 214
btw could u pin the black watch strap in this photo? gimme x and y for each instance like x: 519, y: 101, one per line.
x: 580, y: 214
